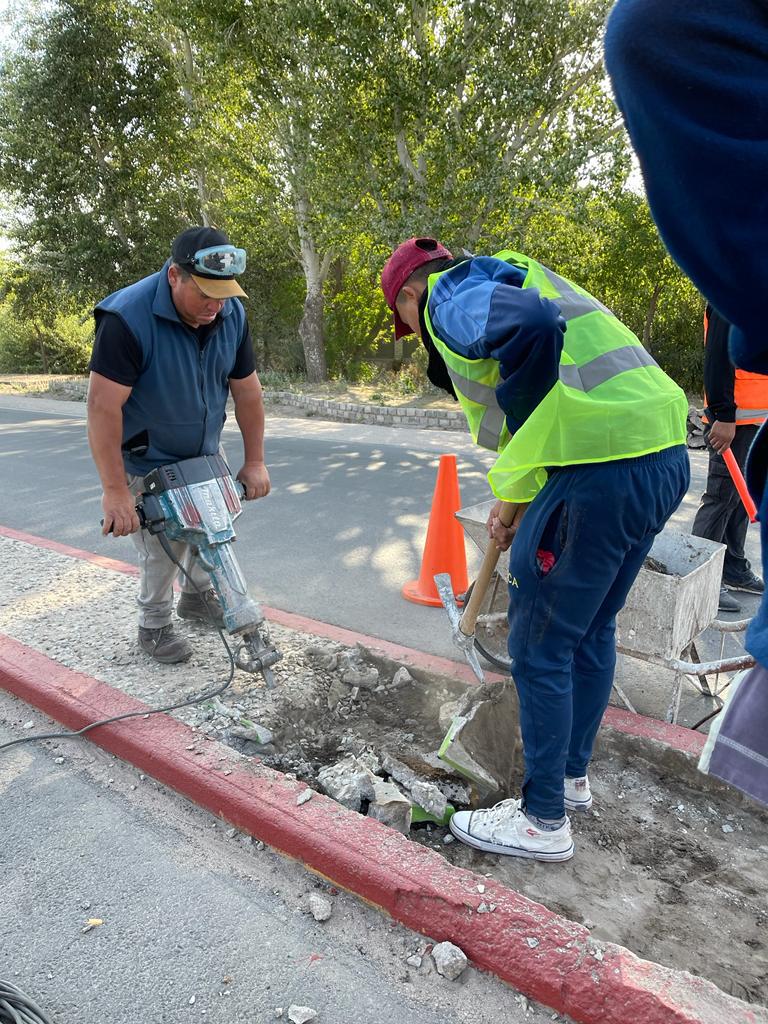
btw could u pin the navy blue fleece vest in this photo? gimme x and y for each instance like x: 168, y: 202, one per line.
x: 179, y: 401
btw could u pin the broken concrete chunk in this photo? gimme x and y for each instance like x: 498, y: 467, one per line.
x: 449, y: 960
x: 401, y: 678
x: 430, y: 798
x: 320, y: 907
x: 370, y: 760
x: 391, y: 807
x: 324, y: 656
x: 336, y: 693
x: 442, y: 776
x: 424, y: 793
x: 348, y: 781
x: 364, y: 678
x: 414, y: 960
x: 254, y: 733
x: 355, y: 672
x: 301, y: 1014
x: 484, y: 743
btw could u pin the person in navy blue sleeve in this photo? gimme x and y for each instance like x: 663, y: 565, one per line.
x: 589, y: 436
x: 692, y: 82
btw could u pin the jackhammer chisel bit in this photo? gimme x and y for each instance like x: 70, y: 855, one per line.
x: 465, y: 643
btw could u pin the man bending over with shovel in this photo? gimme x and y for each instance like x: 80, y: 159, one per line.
x: 590, y: 435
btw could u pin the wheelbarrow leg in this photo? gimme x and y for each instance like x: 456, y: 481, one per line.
x: 706, y: 689
x: 624, y: 698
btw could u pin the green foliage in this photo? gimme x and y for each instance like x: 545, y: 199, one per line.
x: 607, y: 242
x: 318, y: 133
x: 28, y: 346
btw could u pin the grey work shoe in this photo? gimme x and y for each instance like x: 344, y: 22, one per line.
x: 727, y: 602
x: 205, y: 607
x: 748, y: 582
x: 164, y: 645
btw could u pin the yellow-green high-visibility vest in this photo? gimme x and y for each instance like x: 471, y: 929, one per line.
x: 611, y: 400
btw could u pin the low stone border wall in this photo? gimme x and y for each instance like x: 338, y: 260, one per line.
x: 323, y: 408
x: 384, y: 415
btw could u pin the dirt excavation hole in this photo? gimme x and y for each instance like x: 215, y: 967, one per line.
x: 669, y: 863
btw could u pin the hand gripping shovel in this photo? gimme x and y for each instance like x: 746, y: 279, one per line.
x: 463, y: 626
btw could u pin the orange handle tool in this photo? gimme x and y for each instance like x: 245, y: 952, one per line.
x: 740, y: 484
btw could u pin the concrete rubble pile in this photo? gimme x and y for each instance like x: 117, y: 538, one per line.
x: 325, y: 726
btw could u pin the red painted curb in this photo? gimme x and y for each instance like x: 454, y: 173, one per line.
x: 615, y: 718
x: 547, y: 957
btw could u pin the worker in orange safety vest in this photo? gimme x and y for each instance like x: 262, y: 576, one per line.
x: 735, y: 404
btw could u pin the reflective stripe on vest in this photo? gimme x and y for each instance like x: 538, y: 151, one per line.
x: 571, y: 302
x: 751, y: 414
x: 492, y: 423
x: 647, y: 409
x: 602, y: 368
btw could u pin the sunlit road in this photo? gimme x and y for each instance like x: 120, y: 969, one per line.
x: 340, y: 533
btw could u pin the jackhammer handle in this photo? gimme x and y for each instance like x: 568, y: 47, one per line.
x: 139, y: 513
x: 482, y: 582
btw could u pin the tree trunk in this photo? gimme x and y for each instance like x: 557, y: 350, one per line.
x: 312, y: 335
x: 311, y: 331
x: 649, y: 316
x: 180, y: 47
x: 41, y: 346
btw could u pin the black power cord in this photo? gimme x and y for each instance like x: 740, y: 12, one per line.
x: 207, y: 695
x: 18, y: 1008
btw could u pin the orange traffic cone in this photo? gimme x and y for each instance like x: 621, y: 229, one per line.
x: 444, y: 546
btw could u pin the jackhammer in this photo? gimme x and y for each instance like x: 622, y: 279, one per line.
x: 196, y: 501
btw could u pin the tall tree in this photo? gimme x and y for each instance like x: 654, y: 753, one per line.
x: 92, y: 144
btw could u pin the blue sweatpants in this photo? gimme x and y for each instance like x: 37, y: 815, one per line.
x: 599, y: 521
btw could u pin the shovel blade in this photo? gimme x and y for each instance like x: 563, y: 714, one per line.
x: 466, y: 644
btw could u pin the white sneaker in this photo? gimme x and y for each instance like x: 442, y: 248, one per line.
x: 505, y: 829
x: 578, y: 796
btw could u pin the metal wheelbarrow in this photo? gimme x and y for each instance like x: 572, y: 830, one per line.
x: 671, y: 604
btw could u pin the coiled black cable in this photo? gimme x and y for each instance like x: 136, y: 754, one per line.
x: 18, y: 1008
x: 207, y: 695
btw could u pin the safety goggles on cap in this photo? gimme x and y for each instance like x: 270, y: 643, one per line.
x: 219, y: 260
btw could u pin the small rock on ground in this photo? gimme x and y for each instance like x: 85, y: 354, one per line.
x: 320, y: 907
x: 301, y: 1014
x: 450, y: 961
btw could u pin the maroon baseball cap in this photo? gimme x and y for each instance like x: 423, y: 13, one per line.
x: 406, y: 258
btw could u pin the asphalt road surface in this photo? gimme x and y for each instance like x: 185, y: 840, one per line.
x: 197, y: 924
x: 340, y: 533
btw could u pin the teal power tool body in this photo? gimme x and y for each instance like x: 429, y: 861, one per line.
x: 196, y: 501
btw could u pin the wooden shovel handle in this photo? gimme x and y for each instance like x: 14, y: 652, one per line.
x: 469, y: 618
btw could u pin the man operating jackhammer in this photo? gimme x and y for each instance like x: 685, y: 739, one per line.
x: 590, y: 435
x: 169, y: 350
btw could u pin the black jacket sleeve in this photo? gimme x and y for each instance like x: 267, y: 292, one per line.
x: 719, y: 372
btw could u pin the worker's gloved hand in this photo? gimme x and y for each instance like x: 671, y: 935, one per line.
x: 721, y: 435
x: 119, y: 507
x: 255, y: 479
x: 497, y: 531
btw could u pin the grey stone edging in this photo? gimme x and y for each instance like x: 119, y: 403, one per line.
x: 382, y: 415
x: 323, y: 408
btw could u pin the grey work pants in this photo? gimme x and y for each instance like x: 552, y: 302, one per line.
x: 158, y: 572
